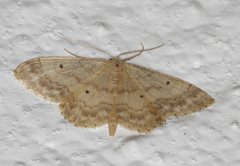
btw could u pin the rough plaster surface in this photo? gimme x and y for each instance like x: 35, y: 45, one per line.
x: 202, y: 40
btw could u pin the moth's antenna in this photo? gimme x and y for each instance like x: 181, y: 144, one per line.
x: 85, y: 45
x: 139, y: 50
x: 134, y: 55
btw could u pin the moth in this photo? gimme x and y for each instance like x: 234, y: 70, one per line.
x: 93, y: 92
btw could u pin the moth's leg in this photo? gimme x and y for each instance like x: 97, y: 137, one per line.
x: 73, y: 53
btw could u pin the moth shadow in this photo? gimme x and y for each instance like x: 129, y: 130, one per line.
x: 131, y: 139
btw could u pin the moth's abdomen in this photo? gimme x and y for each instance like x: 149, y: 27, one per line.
x: 115, y: 71
x: 114, y: 81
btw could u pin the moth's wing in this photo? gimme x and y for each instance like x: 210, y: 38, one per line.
x: 147, y: 98
x: 170, y: 95
x: 79, y: 84
x: 56, y: 77
x: 134, y: 110
x: 89, y: 105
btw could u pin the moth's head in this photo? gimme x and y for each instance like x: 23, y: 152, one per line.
x: 114, y: 58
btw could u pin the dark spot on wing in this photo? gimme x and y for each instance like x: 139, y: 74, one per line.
x: 61, y: 66
x: 167, y: 82
x: 141, y: 96
x: 87, y: 91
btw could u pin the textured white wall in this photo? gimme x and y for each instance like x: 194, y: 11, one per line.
x: 202, y: 40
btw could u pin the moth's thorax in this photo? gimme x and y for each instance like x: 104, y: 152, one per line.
x: 116, y: 70
x: 116, y: 64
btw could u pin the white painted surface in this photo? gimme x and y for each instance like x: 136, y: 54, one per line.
x: 202, y: 40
